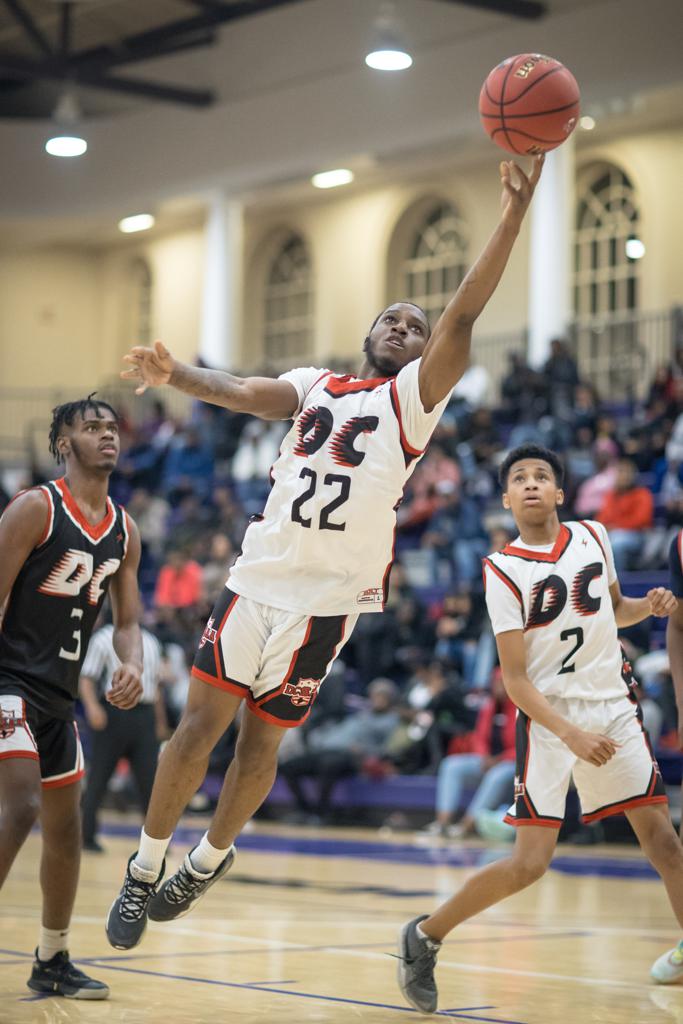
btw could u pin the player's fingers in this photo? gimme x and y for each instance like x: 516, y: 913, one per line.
x: 130, y: 374
x: 536, y: 169
x: 141, y: 390
x: 161, y: 349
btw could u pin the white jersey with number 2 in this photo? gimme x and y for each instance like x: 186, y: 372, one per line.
x: 324, y: 544
x: 559, y: 596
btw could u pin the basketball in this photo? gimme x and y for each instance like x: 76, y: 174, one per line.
x: 529, y: 104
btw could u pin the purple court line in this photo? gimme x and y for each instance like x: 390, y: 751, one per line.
x: 299, y: 995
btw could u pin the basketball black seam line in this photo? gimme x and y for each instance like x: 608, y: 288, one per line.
x: 536, y: 113
x: 535, y: 138
x: 531, y: 85
x: 502, y: 104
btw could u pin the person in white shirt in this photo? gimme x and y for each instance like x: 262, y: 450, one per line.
x: 555, y: 605
x: 318, y: 556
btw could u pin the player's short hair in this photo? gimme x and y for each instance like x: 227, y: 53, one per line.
x: 64, y: 416
x: 531, y: 451
x: 400, y: 302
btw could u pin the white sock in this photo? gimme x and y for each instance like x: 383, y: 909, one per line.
x: 423, y: 935
x: 151, y: 853
x: 52, y: 941
x: 205, y: 858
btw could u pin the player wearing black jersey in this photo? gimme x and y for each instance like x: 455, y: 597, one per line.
x: 63, y: 545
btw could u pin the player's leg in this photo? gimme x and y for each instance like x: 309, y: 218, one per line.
x: 107, y: 747
x: 421, y: 938
x: 660, y: 844
x: 181, y: 770
x: 60, y: 822
x: 143, y: 753
x: 20, y: 798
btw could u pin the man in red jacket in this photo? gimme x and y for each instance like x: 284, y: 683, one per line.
x: 626, y: 511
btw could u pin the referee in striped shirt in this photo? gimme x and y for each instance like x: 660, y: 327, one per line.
x: 133, y: 734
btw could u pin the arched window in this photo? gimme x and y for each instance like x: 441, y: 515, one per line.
x: 436, y: 261
x: 288, y: 319
x: 605, y: 278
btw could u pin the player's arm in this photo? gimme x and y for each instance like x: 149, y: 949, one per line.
x: 22, y: 527
x: 447, y: 353
x: 588, y: 746
x: 266, y: 397
x: 674, y: 646
x: 630, y: 610
x: 126, y: 687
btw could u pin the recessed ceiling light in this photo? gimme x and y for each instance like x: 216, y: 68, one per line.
x: 66, y: 145
x: 331, y: 179
x: 138, y: 222
x: 389, y: 60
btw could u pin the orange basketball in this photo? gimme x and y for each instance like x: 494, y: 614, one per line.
x: 529, y: 104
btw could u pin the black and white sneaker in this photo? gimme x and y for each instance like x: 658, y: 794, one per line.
x: 59, y: 977
x: 416, y: 963
x: 179, y: 893
x: 127, y: 918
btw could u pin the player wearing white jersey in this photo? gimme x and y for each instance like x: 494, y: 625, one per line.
x: 556, y: 605
x: 318, y: 556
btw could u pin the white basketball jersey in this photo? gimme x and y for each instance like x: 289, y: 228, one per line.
x: 560, y: 597
x: 324, y: 544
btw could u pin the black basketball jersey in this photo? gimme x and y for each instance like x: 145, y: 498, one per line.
x: 55, y: 600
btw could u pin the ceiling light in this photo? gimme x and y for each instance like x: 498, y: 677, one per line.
x: 388, y: 52
x: 635, y: 250
x: 66, y: 140
x: 331, y: 179
x: 138, y: 222
x: 587, y: 123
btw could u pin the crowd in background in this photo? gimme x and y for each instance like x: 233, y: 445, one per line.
x: 416, y: 691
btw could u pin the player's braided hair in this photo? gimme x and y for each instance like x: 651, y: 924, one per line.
x: 64, y: 415
x: 531, y: 451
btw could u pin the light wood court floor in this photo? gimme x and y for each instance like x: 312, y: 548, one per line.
x: 302, y: 928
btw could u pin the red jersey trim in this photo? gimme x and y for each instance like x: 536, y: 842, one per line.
x: 504, y: 579
x: 325, y: 373
x: 238, y: 689
x: 45, y: 491
x: 595, y: 537
x: 95, y: 532
x: 625, y: 805
x: 347, y: 385
x: 510, y: 819
x: 283, y: 723
x: 408, y: 450
x: 561, y: 544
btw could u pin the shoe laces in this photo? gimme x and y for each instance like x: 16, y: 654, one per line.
x: 135, y: 896
x: 183, y: 886
x: 424, y: 962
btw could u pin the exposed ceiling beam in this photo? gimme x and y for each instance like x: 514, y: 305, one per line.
x: 145, y: 45
x: 53, y: 70
x: 101, y: 59
x: 528, y: 9
x: 17, y: 9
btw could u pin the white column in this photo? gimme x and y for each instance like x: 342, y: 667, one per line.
x: 552, y: 214
x: 221, y: 321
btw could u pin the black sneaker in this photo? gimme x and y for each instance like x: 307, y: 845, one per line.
x: 416, y: 963
x: 92, y: 846
x: 185, y: 888
x: 59, y: 977
x: 127, y: 918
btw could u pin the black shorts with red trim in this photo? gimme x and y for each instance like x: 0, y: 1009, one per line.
x: 26, y: 732
x: 276, y: 660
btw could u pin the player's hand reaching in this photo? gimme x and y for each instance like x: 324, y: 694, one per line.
x: 518, y: 190
x: 591, y: 746
x: 126, y: 687
x: 150, y: 366
x: 662, y: 602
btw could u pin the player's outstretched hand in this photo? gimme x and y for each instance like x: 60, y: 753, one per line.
x: 150, y: 366
x: 126, y: 687
x: 591, y: 746
x: 662, y: 602
x: 518, y: 189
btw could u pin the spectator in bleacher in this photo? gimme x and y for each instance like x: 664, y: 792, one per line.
x: 150, y: 511
x: 592, y: 492
x: 336, y: 750
x: 627, y: 511
x: 188, y: 466
x: 562, y: 375
x: 179, y: 584
x: 488, y: 764
x: 222, y: 556
x: 438, y: 694
x: 522, y: 390
x: 456, y: 534
x: 461, y: 637
x: 252, y: 461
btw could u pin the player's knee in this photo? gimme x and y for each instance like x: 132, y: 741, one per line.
x: 665, y: 851
x: 525, y: 871
x: 20, y: 815
x: 256, y: 755
x: 195, y: 737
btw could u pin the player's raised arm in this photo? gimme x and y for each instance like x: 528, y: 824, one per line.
x: 447, y: 352
x: 266, y: 397
x: 22, y: 526
x: 592, y: 747
x: 126, y: 688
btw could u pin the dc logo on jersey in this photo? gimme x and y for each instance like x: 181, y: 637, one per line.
x: 8, y: 724
x: 304, y: 692
x: 210, y: 635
